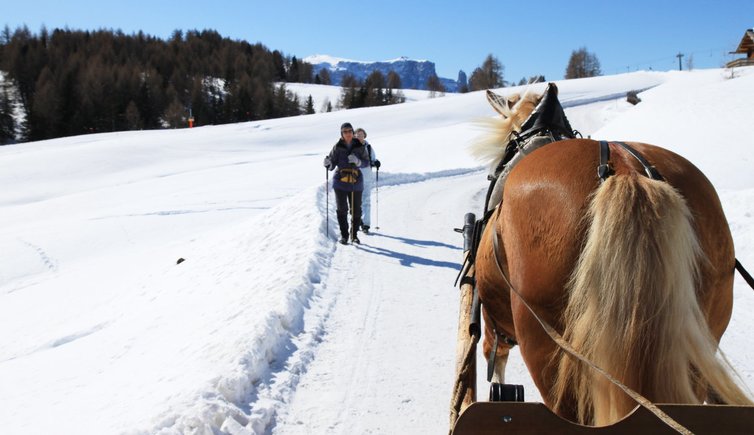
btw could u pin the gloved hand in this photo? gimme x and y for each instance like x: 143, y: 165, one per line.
x: 376, y: 164
x: 353, y: 159
x: 327, y: 162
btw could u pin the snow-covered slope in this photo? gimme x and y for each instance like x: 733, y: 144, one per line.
x: 322, y: 94
x: 268, y: 325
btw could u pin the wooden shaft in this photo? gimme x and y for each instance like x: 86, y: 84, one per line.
x: 464, y: 343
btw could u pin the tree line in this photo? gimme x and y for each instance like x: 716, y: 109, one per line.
x: 71, y: 82
x: 374, y: 90
x: 489, y: 75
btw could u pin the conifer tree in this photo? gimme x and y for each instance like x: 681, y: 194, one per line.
x: 374, y: 89
x: 324, y: 76
x: 45, y: 111
x: 293, y: 71
x: 133, y: 118
x: 279, y: 66
x: 309, y: 108
x: 175, y: 115
x: 349, y: 94
x: 7, y: 122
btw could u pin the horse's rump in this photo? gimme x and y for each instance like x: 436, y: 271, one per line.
x: 652, y: 249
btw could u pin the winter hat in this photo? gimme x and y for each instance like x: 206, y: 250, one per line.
x: 346, y: 125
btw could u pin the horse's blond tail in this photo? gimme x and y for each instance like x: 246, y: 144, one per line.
x: 632, y: 307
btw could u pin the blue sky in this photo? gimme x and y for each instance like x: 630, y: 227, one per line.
x: 625, y: 36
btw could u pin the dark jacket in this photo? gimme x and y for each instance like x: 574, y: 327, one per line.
x: 348, y: 176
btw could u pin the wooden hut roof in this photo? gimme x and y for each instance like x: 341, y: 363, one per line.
x: 747, y: 42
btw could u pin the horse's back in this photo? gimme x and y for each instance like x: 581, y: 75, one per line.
x: 559, y: 178
x: 548, y: 194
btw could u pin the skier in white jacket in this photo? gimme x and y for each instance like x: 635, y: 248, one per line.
x: 366, y: 199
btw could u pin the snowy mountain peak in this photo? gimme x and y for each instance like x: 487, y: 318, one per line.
x: 317, y: 59
x: 413, y: 73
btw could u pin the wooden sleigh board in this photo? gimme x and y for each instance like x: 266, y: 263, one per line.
x: 512, y: 418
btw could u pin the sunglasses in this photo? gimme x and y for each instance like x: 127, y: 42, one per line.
x: 346, y: 131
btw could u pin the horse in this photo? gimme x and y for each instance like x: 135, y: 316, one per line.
x: 635, y: 272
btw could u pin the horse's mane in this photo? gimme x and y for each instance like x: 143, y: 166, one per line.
x: 514, y: 111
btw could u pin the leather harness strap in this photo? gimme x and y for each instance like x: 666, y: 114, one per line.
x: 651, y: 171
x: 745, y: 274
x: 604, y: 170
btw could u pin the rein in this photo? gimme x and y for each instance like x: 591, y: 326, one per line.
x: 745, y: 274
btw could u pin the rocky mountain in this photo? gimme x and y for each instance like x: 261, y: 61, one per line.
x: 413, y: 73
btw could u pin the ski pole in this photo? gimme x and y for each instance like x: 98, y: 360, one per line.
x: 377, y: 198
x: 327, y: 209
x: 353, y: 217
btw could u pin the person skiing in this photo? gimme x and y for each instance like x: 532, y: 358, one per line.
x: 366, y: 198
x: 348, y: 156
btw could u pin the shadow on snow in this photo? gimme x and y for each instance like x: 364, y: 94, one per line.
x: 412, y: 260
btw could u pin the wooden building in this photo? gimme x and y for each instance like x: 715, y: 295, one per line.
x: 745, y: 47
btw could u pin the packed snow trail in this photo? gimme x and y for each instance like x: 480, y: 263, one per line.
x: 376, y: 367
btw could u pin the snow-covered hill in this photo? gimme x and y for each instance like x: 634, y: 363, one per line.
x: 269, y: 326
x: 323, y: 94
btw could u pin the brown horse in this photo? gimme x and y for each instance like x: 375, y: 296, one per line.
x: 635, y: 273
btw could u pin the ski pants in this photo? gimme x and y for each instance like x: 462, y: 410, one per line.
x: 343, y: 198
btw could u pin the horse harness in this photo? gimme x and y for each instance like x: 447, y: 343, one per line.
x: 604, y: 171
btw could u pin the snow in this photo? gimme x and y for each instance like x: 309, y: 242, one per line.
x: 321, y: 94
x: 326, y: 58
x: 269, y: 326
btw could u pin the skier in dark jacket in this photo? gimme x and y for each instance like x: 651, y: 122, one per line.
x: 348, y: 156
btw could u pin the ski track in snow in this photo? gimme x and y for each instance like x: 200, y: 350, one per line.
x: 378, y: 251
x: 272, y: 385
x: 348, y: 371
x: 352, y: 370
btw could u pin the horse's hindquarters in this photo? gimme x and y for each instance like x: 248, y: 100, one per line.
x: 543, y: 223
